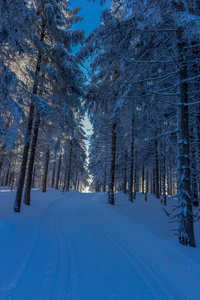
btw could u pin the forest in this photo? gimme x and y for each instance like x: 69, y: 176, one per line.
x: 136, y: 76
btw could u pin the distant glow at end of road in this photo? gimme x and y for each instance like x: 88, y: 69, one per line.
x: 86, y: 190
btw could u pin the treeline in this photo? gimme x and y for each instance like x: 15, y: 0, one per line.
x: 42, y: 142
x: 143, y: 102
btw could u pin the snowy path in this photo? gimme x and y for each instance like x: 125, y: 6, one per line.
x: 84, y: 248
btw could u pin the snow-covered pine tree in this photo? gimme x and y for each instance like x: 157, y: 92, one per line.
x: 150, y: 16
x: 64, y: 94
x: 51, y: 34
x: 15, y: 25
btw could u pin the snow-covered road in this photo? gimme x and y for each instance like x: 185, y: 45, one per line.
x: 83, y: 248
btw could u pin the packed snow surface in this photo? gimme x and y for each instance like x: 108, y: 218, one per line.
x: 76, y: 246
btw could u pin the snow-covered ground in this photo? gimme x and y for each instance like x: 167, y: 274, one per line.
x: 76, y: 246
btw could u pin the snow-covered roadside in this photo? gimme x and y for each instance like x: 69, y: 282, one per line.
x: 147, y: 232
x: 18, y: 234
x: 76, y: 246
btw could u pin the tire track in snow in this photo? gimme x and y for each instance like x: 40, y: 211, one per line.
x: 71, y: 259
x: 65, y: 271
x: 93, y: 262
x: 145, y: 273
x: 21, y: 275
x: 60, y: 257
x: 71, y: 289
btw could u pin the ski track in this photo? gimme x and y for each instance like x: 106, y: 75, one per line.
x: 27, y: 272
x: 61, y: 258
x: 81, y: 258
x: 67, y: 274
x: 8, y: 291
x: 94, y: 263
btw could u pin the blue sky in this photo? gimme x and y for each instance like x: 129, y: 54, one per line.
x: 91, y: 13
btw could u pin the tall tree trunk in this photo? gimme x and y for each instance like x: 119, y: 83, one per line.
x: 135, y: 177
x: 4, y: 146
x: 2, y: 176
x: 7, y: 176
x: 154, y: 181
x: 18, y: 199
x: 17, y: 204
x: 75, y: 183
x: 156, y: 171
x: 143, y: 179
x: 193, y: 173
x: 160, y: 180
x: 10, y: 178
x: 33, y: 177
x: 27, y: 192
x: 168, y: 180
x: 164, y: 183
x: 186, y: 230
x: 2, y: 154
x: 171, y: 180
x: 53, y: 174
x: 130, y: 186
x: 69, y: 166
x: 77, y: 187
x: 104, y: 186
x: 111, y: 199
x: 65, y: 178
x: 198, y: 136
x: 125, y: 180
x: 13, y: 181
x: 147, y: 185
x: 197, y: 125
x: 58, y: 173
x: 44, y: 185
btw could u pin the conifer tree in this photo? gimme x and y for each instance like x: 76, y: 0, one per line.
x: 52, y: 36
